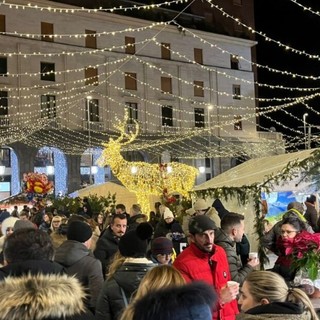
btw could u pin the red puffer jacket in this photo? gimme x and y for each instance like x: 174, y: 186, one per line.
x: 195, y: 264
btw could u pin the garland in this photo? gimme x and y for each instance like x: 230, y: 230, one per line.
x: 308, y: 169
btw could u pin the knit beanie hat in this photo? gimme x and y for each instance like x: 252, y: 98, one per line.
x: 23, y: 224
x: 167, y: 214
x: 200, y: 204
x: 161, y: 245
x: 79, y: 231
x: 8, y: 223
x: 199, y: 224
x: 134, y: 243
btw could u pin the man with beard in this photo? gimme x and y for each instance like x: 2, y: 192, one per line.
x: 108, y: 243
x: 205, y: 261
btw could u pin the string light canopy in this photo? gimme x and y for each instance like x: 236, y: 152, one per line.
x: 75, y: 143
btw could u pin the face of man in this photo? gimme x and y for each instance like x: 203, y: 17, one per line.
x: 119, y: 210
x: 238, y: 231
x: 204, y: 241
x: 119, y: 227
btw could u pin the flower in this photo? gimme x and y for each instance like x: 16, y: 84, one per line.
x: 305, y: 252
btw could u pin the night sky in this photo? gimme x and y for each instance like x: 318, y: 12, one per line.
x: 284, y: 21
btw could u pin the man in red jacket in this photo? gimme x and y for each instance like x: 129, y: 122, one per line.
x: 203, y: 260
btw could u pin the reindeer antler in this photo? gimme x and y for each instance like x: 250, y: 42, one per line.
x: 122, y: 126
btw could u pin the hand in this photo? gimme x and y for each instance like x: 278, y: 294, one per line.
x: 228, y: 294
x: 253, y: 262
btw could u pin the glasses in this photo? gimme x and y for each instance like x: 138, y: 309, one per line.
x: 288, y: 231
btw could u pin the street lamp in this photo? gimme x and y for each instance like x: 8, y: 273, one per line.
x: 89, y: 98
x: 305, y: 130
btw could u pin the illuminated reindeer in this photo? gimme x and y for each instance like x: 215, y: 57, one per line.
x: 146, y: 179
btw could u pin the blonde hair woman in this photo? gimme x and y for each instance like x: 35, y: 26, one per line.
x: 161, y: 276
x: 265, y: 294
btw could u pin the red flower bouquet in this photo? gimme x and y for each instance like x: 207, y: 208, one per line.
x: 305, y: 252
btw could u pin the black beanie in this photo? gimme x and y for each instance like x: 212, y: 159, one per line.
x: 134, y: 243
x: 79, y: 231
x: 199, y: 224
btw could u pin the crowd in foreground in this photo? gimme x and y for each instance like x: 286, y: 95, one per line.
x: 130, y: 268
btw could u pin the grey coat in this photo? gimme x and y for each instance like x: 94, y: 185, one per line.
x: 237, y: 271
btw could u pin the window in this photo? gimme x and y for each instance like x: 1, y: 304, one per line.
x: 132, y: 111
x: 234, y: 61
x: 165, y: 51
x: 198, y: 55
x: 91, y: 76
x: 2, y: 23
x: 93, y: 110
x: 130, y: 45
x: 91, y: 39
x: 237, y: 123
x: 47, y: 71
x: 207, y: 162
x: 48, y: 106
x: 199, y: 117
x: 3, y: 103
x: 198, y: 88
x: 130, y: 81
x: 47, y: 31
x: 3, y: 66
x: 236, y: 92
x: 166, y: 113
x: 166, y: 85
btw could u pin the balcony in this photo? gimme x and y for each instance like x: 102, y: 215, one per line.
x: 94, y: 125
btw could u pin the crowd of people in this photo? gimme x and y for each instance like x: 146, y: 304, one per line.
x: 128, y: 266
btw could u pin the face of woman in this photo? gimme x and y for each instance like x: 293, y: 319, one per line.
x: 246, y: 299
x: 288, y: 231
x: 100, y: 218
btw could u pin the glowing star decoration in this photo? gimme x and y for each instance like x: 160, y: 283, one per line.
x: 148, y: 179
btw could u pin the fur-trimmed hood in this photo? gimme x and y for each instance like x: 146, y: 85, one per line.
x: 39, y: 297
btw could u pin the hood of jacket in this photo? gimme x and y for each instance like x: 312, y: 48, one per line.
x: 130, y: 274
x: 40, y: 297
x: 70, y: 252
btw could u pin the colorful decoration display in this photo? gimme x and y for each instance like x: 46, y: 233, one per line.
x: 146, y: 179
x: 36, y: 185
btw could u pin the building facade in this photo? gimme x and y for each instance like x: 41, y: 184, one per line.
x: 69, y: 74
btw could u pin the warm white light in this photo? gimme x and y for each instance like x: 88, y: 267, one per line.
x: 134, y: 170
x: 89, y: 97
x: 202, y: 169
x: 50, y: 170
x: 169, y: 169
x: 2, y: 169
x: 94, y: 169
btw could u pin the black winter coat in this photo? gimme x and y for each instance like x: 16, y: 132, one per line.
x: 110, y: 302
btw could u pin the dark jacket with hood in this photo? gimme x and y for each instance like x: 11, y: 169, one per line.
x: 111, y: 301
x: 42, y: 297
x: 237, y: 271
x: 276, y: 311
x: 79, y: 261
